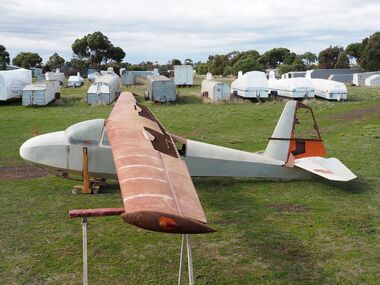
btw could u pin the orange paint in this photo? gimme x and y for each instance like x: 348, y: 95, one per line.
x: 167, y: 223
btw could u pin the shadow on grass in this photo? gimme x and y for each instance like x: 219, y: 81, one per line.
x: 11, y: 102
x: 357, y: 186
x: 270, y: 251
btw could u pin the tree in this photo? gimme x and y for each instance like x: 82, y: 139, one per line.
x: 97, y: 49
x: 27, y: 60
x: 328, y: 57
x: 355, y: 51
x: 201, y: 68
x: 55, y: 61
x: 309, y: 59
x: 272, y: 58
x: 4, y: 57
x: 370, y: 57
x: 79, y: 65
x: 189, y: 61
x: 342, y: 61
x: 246, y: 64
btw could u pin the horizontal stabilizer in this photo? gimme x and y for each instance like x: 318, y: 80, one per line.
x: 329, y: 168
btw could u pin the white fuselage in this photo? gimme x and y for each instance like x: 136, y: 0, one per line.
x: 55, y: 152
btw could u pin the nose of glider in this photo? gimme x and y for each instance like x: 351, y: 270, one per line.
x: 47, y: 149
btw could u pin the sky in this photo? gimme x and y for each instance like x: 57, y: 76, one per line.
x: 152, y: 30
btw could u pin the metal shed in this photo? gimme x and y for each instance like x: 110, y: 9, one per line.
x: 359, y: 78
x: 344, y: 78
x: 329, y: 89
x: 373, y: 80
x: 40, y: 93
x: 12, y: 82
x: 160, y: 89
x: 183, y: 75
x: 253, y: 84
x: 325, y: 73
x: 215, y: 90
x: 105, y: 89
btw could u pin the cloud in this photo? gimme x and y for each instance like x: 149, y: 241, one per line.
x: 161, y: 30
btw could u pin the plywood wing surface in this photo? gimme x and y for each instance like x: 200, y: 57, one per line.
x: 329, y: 168
x: 157, y: 190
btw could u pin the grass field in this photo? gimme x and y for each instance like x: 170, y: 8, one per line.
x: 299, y: 232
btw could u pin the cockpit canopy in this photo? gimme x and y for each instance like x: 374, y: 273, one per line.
x: 87, y: 132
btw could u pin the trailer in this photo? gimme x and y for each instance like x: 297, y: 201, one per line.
x: 183, y: 75
x: 295, y: 88
x: 57, y: 75
x: 373, y: 80
x: 215, y: 90
x: 12, y: 82
x: 75, y: 80
x: 160, y: 89
x: 252, y: 85
x: 105, y: 89
x: 359, y: 78
x: 329, y: 89
x: 41, y: 93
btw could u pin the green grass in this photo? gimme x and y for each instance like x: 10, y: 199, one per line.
x: 299, y: 232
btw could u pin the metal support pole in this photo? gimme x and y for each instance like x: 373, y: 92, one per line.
x: 186, y: 245
x: 85, y: 264
x: 190, y: 259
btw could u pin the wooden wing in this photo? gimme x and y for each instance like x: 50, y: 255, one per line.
x: 157, y: 190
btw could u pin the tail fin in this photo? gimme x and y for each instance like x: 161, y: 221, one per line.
x: 296, y: 134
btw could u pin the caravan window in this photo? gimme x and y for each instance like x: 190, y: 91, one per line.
x: 87, y: 132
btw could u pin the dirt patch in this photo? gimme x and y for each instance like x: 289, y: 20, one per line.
x: 290, y: 208
x: 21, y: 172
x: 358, y: 113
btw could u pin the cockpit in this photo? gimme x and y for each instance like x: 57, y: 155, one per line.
x: 90, y: 132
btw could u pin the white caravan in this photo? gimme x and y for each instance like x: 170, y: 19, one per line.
x: 12, y: 82
x: 295, y: 88
x: 183, y: 75
x: 105, y: 88
x: 329, y: 89
x: 373, y: 80
x: 252, y: 85
x: 75, y: 80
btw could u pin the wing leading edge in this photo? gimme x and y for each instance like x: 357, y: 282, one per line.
x: 157, y: 190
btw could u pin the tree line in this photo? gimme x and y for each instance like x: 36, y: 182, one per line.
x: 96, y: 51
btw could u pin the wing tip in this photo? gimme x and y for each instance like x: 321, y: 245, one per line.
x: 164, y: 222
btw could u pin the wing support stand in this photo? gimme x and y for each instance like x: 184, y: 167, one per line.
x: 186, y: 246
x: 84, y: 214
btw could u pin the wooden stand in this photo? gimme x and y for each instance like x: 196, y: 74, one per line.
x: 89, y: 185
